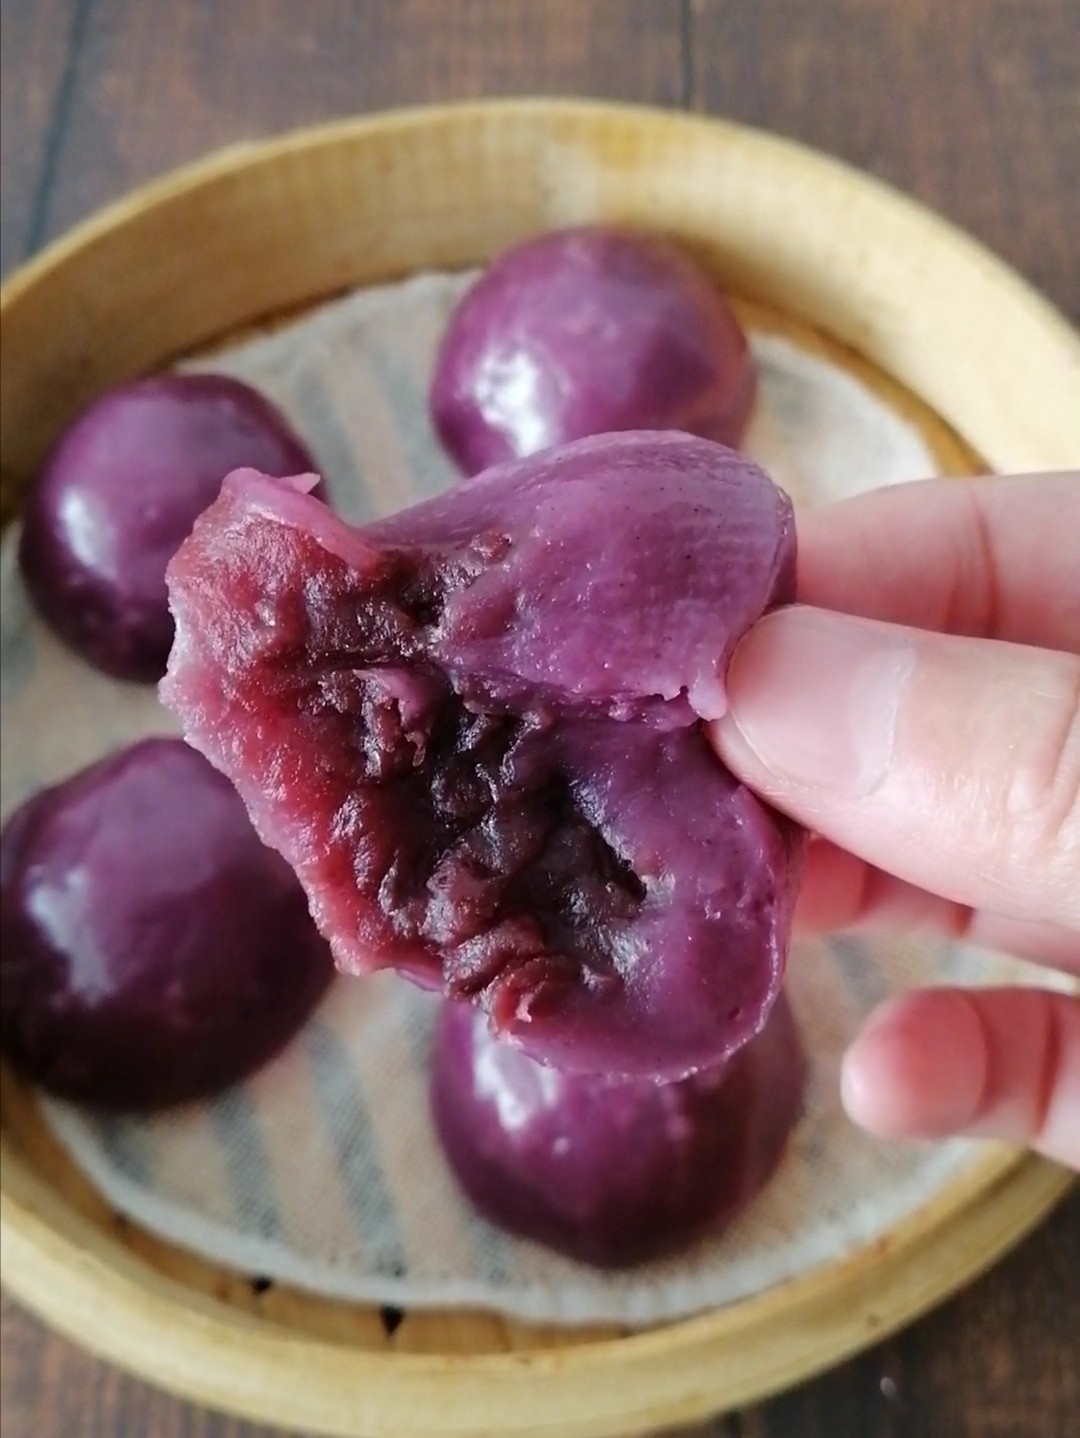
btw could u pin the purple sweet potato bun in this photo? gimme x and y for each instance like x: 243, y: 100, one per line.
x: 119, y: 493
x: 588, y: 331
x: 153, y: 950
x: 611, y: 1171
x: 474, y: 729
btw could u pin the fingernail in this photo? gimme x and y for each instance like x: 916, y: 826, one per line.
x: 816, y: 696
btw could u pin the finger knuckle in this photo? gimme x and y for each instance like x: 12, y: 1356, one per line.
x: 1046, y: 790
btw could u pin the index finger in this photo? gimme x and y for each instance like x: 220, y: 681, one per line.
x: 841, y: 891
x: 992, y: 558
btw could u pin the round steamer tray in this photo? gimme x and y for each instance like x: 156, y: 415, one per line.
x: 261, y: 231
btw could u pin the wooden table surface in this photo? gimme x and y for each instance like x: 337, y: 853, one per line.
x: 972, y: 105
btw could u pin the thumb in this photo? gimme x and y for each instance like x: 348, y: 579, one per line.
x: 953, y: 763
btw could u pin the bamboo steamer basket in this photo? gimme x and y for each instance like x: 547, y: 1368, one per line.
x: 990, y: 372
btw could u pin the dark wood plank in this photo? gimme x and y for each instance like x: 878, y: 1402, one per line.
x: 37, y: 41
x: 158, y: 85
x: 972, y: 105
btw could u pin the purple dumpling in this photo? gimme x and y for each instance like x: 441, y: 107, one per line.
x: 119, y: 493
x: 153, y: 950
x: 588, y: 331
x: 611, y: 1171
x: 473, y: 729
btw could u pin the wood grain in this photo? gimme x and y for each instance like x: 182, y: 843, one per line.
x: 974, y: 106
x: 157, y: 85
x: 34, y: 102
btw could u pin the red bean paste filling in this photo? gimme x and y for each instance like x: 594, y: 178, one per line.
x: 481, y: 846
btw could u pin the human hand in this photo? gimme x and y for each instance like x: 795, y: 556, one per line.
x: 933, y: 745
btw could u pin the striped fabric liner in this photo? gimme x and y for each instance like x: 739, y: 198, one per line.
x: 322, y: 1171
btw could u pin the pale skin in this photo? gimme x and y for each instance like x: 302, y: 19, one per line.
x: 919, y: 711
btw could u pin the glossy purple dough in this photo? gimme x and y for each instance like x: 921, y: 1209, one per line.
x: 153, y: 949
x: 473, y: 730
x: 611, y: 1171
x: 588, y: 331
x: 119, y: 493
